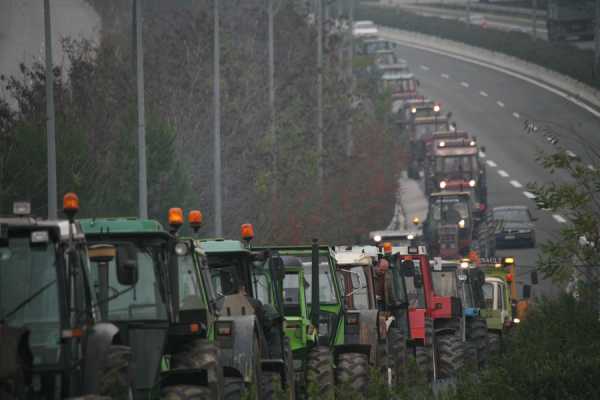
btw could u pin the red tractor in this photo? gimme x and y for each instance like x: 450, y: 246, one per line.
x: 434, y: 320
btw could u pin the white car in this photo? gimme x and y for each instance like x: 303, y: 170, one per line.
x: 364, y: 29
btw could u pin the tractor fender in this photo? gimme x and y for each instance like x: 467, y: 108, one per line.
x: 351, y: 348
x: 238, y: 351
x: 97, y: 342
x: 442, y: 326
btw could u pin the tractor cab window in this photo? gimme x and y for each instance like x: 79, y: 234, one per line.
x: 416, y: 294
x: 444, y: 283
x: 327, y: 292
x: 261, y: 286
x: 356, y: 287
x: 449, y: 210
x: 141, y: 301
x: 29, y: 293
x: 488, y: 295
x: 501, y: 297
x: 226, y: 274
x: 190, y: 285
x: 455, y: 167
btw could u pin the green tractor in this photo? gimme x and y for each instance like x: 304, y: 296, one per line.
x: 336, y: 329
x: 156, y: 290
x: 255, y: 354
x: 51, y: 344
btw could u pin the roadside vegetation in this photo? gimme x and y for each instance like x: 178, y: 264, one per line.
x: 96, y: 125
x: 559, y: 57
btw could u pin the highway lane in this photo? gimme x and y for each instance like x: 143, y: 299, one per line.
x: 493, y: 106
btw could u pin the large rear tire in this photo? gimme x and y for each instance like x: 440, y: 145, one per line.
x: 271, y: 386
x: 115, y: 375
x: 451, y: 354
x: 397, y: 356
x: 186, y: 392
x: 234, y: 388
x: 320, y: 377
x: 494, y: 342
x: 352, y: 371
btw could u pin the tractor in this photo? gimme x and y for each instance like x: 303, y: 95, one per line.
x: 255, y: 353
x: 51, y: 344
x: 337, y: 339
x: 435, y: 319
x: 503, y: 310
x: 448, y: 228
x: 461, y: 279
x: 148, y: 286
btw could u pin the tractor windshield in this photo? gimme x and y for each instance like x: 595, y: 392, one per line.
x: 449, y: 210
x: 488, y: 295
x: 29, y: 293
x: 414, y: 292
x: 456, y: 167
x: 142, y: 301
x: 355, y: 288
x: 226, y: 272
x: 444, y: 283
x: 327, y: 292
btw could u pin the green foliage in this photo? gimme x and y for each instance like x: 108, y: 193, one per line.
x: 560, y: 57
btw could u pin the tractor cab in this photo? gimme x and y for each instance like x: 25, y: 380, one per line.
x: 399, y: 84
x: 371, y: 45
x: 48, y: 314
x: 449, y: 225
x: 388, y: 57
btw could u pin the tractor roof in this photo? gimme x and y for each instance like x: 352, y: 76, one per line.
x: 223, y: 246
x: 353, y: 258
x: 28, y: 223
x: 121, y: 226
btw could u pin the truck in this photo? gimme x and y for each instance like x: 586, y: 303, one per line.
x: 400, y: 84
x: 570, y: 19
x: 53, y: 343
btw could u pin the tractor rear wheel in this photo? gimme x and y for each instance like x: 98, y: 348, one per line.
x: 397, y: 355
x: 271, y: 387
x: 450, y: 354
x: 494, y: 342
x: 352, y: 371
x: 423, y: 361
x: 319, y: 372
x: 115, y: 376
x: 234, y: 388
x: 186, y: 392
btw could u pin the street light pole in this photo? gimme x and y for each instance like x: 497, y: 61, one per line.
x: 597, y: 40
x: 272, y: 92
x: 217, y: 124
x: 320, y: 93
x: 142, y: 175
x: 534, y: 15
x: 50, y: 118
x: 349, y: 136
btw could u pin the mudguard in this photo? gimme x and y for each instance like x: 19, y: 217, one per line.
x: 239, y: 350
x: 97, y: 341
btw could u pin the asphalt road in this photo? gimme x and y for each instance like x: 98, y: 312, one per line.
x: 493, y: 106
x: 22, y: 30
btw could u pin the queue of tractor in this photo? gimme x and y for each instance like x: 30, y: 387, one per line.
x: 124, y: 308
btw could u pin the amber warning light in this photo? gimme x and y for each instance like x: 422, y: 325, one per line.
x: 195, y: 219
x: 387, y: 248
x: 175, y: 217
x: 70, y: 204
x: 247, y: 232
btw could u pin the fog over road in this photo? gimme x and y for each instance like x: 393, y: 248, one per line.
x: 22, y: 30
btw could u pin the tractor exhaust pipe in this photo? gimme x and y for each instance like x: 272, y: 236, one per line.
x: 315, y: 306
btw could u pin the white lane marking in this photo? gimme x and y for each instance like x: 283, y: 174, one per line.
x: 505, y: 71
x: 516, y: 115
x: 445, y: 76
x: 491, y: 163
x: 484, y: 94
x: 529, y: 195
x: 591, y: 167
x: 516, y: 184
x: 559, y: 218
x: 571, y: 154
x: 500, y: 104
x: 482, y: 154
x: 424, y: 67
x: 503, y: 173
x: 464, y: 84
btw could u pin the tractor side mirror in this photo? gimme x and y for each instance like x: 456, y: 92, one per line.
x: 534, y: 278
x: 277, y: 267
x: 526, y: 291
x: 127, y: 266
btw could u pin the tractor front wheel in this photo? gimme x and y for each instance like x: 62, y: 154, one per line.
x: 451, y: 354
x: 319, y: 373
x: 479, y: 335
x: 352, y: 371
x: 115, y: 376
x: 397, y: 359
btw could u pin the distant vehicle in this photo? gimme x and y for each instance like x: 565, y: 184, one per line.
x: 364, y: 29
x: 515, y: 226
x: 388, y: 57
x: 478, y: 19
x: 402, y: 85
x: 371, y: 44
x: 570, y: 19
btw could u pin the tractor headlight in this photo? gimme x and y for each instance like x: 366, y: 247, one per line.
x: 443, y: 185
x: 472, y: 183
x: 516, y: 320
x: 461, y: 224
